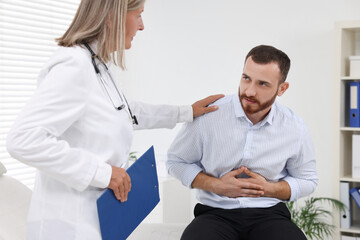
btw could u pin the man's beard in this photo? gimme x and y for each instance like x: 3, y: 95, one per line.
x: 256, y: 106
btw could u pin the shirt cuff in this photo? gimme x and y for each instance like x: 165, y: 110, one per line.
x: 294, y: 187
x: 190, y: 174
x: 102, y: 176
x: 186, y: 113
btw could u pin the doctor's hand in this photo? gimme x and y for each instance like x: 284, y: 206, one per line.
x: 120, y: 183
x: 201, y: 107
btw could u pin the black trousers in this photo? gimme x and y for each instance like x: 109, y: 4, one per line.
x: 242, y: 224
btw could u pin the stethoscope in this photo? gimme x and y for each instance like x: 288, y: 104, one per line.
x: 98, y: 73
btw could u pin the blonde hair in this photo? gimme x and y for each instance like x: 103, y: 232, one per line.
x: 89, y: 24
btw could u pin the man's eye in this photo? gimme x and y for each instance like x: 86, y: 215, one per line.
x: 262, y: 83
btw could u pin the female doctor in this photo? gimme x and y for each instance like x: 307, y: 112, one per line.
x: 77, y: 127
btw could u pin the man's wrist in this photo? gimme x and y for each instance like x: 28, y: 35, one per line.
x: 214, y: 184
x: 280, y: 190
x: 271, y: 189
x: 205, y: 182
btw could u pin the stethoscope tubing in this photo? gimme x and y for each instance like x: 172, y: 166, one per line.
x: 98, y: 73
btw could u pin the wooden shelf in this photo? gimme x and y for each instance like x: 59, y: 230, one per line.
x: 354, y: 228
x: 350, y: 230
x: 351, y: 78
x: 350, y: 129
x: 349, y: 178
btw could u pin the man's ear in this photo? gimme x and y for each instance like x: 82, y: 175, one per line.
x: 282, y: 88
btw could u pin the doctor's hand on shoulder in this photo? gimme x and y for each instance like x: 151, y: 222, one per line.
x: 120, y: 183
x: 202, y: 106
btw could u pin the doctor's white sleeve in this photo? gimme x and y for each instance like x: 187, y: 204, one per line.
x: 151, y: 116
x: 35, y: 138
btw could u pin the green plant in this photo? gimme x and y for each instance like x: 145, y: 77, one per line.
x: 312, y: 217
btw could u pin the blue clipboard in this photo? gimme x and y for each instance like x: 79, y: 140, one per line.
x: 118, y: 220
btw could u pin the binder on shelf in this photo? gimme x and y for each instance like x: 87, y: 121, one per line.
x: 355, y: 156
x: 354, y: 192
x: 354, y: 117
x: 345, y: 199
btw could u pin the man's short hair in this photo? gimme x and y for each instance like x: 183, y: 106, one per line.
x: 264, y: 54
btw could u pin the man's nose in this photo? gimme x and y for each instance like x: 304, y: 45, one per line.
x: 250, y: 91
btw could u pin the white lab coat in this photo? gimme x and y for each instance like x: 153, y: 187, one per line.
x: 72, y: 134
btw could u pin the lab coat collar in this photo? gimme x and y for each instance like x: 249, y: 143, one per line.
x: 94, y: 46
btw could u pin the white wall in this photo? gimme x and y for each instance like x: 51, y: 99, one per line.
x: 192, y: 48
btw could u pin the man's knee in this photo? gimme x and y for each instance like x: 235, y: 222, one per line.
x: 209, y: 228
x: 278, y: 230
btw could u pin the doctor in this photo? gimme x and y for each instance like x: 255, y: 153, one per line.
x: 77, y: 128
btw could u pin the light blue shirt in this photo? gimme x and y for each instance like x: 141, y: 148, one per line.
x: 279, y: 148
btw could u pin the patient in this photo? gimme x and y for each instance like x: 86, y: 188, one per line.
x: 247, y: 158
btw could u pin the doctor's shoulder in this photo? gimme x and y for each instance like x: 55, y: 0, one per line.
x: 76, y: 56
x: 67, y: 59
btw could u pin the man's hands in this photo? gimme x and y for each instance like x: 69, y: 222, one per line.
x: 201, y: 107
x: 120, y: 183
x: 228, y: 185
x: 280, y: 190
x: 231, y: 186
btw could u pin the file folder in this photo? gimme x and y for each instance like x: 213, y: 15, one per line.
x: 118, y: 220
x: 345, y: 221
x: 356, y: 195
x: 354, y: 104
x: 355, y: 156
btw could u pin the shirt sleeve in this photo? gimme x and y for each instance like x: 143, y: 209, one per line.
x: 35, y: 139
x: 185, y: 153
x: 160, y: 116
x: 303, y: 177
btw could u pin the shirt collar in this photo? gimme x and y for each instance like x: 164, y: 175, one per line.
x: 239, y: 111
x: 270, y: 117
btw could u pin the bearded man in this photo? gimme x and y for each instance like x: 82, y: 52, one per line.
x: 247, y: 159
